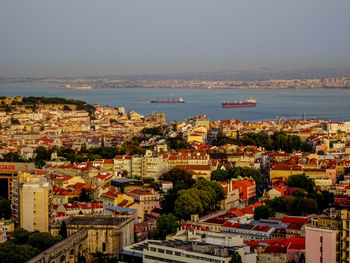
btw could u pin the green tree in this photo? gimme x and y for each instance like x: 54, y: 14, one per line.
x: 301, y: 181
x: 277, y: 204
x: 12, y: 157
x: 152, y: 131
x: 41, y: 240
x: 177, y: 143
x: 213, y: 189
x: 85, y: 195
x: 42, y: 155
x: 180, y: 178
x: 188, y: 204
x: 124, y: 173
x: 165, y: 225
x: 289, y: 202
x: 236, y: 258
x: 234, y: 172
x: 263, y: 212
x: 13, y: 253
x: 63, y: 230
x: 20, y: 236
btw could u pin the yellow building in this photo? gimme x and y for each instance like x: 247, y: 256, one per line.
x: 340, y: 169
x: 35, y: 203
x: 283, y: 170
x: 195, y: 137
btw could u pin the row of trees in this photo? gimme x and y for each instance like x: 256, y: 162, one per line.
x: 305, y: 200
x: 26, y: 245
x: 278, y: 141
x: 42, y: 154
x: 234, y: 172
x: 80, y: 105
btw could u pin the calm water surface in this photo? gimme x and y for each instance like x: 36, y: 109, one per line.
x: 322, y: 103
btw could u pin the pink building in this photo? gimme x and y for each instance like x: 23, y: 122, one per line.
x: 331, y: 173
x: 320, y: 245
x: 145, y: 200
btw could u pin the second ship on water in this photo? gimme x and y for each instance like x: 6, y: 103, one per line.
x: 240, y: 104
x: 171, y: 100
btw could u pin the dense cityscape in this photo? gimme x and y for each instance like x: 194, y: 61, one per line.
x: 151, y: 82
x: 93, y: 183
x: 187, y: 131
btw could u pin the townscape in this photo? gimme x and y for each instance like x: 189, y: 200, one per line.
x: 141, y: 82
x: 93, y: 183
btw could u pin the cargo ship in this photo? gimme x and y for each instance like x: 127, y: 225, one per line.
x: 171, y: 100
x: 240, y: 104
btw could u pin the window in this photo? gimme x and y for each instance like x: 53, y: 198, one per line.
x: 169, y: 252
x: 177, y: 253
x: 104, y: 247
x: 160, y: 250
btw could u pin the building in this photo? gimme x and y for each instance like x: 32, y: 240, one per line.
x: 153, y: 165
x: 248, y: 231
x: 145, y: 200
x: 247, y: 189
x: 8, y: 171
x: 279, y: 250
x: 327, y: 238
x: 194, y: 251
x: 232, y: 198
x: 32, y: 202
x: 6, y: 227
x: 122, y: 163
x: 106, y: 233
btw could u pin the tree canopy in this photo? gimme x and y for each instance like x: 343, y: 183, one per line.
x: 165, y: 225
x: 263, y: 212
x: 301, y: 181
x: 177, y: 143
x: 278, y: 141
x: 302, y: 203
x: 202, y: 198
x: 25, y: 245
x: 235, y: 172
x: 236, y: 258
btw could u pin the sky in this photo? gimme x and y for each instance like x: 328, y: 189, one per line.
x: 101, y: 37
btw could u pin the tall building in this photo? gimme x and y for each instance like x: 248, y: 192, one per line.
x: 8, y: 171
x: 327, y: 238
x: 32, y: 202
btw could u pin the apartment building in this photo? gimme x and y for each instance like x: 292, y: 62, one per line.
x: 153, y: 165
x: 33, y: 202
x: 327, y: 238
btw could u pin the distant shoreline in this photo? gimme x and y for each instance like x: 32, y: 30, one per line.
x: 203, y: 88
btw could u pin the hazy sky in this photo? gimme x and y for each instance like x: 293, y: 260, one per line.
x: 80, y: 37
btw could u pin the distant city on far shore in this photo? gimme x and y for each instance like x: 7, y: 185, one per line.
x: 260, y: 79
